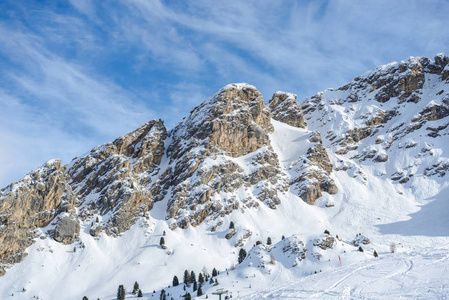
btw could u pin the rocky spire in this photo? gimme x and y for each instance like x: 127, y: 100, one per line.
x: 286, y: 109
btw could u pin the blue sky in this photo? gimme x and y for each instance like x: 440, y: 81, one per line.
x: 75, y: 74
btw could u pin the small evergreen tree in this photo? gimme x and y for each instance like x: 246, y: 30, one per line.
x: 162, y: 241
x: 216, y: 281
x: 85, y: 298
x: 192, y: 276
x: 121, y: 292
x: 175, y: 281
x: 135, y: 288
x: 268, y: 241
x: 258, y: 243
x: 211, y: 281
x: 242, y: 255
x: 326, y: 232
x: 360, y: 249
x: 214, y: 272
x: 187, y: 296
x: 163, y: 296
x: 139, y: 294
x: 200, y: 291
x: 375, y: 254
x: 186, y: 277
x: 163, y: 233
x: 283, y: 237
x: 231, y: 225
x: 201, y: 278
x: 195, y: 286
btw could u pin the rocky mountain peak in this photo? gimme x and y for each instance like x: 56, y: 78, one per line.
x: 234, y: 121
x: 115, y: 178
x: 285, y: 108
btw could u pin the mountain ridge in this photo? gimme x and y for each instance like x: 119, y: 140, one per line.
x: 235, y: 158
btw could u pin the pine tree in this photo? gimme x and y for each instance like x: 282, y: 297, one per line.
x: 140, y: 294
x: 360, y: 249
x: 214, y: 272
x: 121, y: 292
x: 375, y: 253
x: 268, y: 241
x: 175, y: 281
x: 283, y: 237
x: 201, y: 278
x: 195, y: 286
x: 200, y: 291
x: 163, y: 296
x: 135, y: 288
x: 192, y: 276
x: 211, y: 281
x: 242, y: 255
x: 187, y: 296
x: 216, y: 281
x: 186, y: 277
x: 85, y: 298
x: 162, y: 241
x: 231, y: 225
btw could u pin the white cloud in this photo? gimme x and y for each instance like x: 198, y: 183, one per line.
x: 63, y: 82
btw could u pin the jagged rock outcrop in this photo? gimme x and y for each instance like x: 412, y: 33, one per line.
x: 29, y: 204
x: 117, y: 177
x: 286, y: 109
x: 326, y: 242
x: 67, y: 230
x: 312, y: 172
x: 233, y: 123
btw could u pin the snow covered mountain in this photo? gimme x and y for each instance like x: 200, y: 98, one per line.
x: 303, y: 188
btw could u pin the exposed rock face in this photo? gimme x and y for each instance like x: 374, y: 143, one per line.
x: 68, y: 229
x: 115, y: 176
x: 286, y: 109
x: 233, y: 123
x: 313, y: 172
x: 31, y: 203
x: 326, y: 242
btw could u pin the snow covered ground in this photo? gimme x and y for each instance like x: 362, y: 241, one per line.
x: 418, y: 274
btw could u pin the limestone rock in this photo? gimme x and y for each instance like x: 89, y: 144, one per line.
x: 286, y: 109
x: 327, y: 242
x: 31, y: 203
x: 67, y: 229
x: 314, y: 170
x: 114, y: 176
x: 233, y: 123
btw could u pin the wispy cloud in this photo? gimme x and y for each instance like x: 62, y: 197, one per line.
x: 83, y: 73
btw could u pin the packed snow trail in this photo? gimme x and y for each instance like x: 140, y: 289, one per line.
x: 416, y: 275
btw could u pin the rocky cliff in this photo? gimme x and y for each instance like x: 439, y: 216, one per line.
x: 224, y: 158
